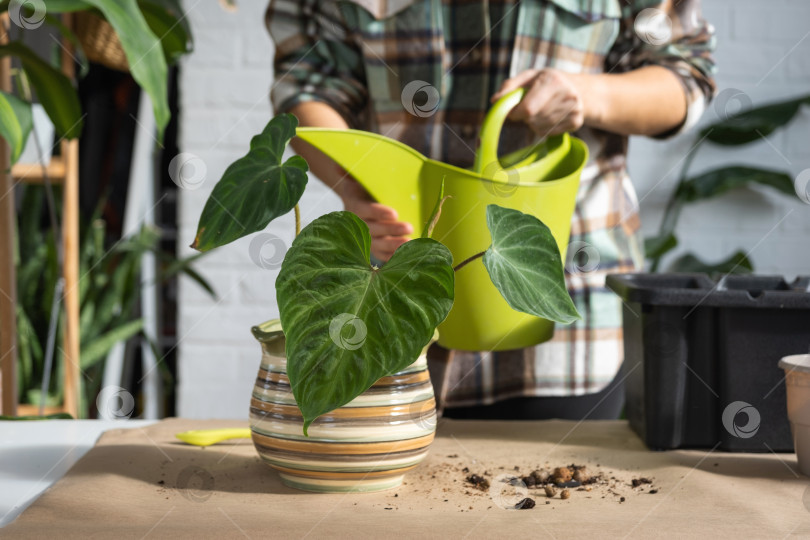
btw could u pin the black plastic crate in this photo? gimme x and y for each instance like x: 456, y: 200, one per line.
x: 701, y: 358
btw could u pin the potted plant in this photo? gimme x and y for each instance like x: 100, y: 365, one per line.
x: 343, y: 401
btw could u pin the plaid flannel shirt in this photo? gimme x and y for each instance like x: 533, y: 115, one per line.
x: 359, y: 55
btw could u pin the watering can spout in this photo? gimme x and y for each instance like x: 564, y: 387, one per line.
x: 389, y: 170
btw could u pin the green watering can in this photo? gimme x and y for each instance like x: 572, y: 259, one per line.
x: 541, y: 180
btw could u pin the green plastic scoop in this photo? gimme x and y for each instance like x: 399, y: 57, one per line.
x: 541, y: 180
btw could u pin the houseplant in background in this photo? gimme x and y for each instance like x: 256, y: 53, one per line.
x: 137, y: 25
x: 736, y: 130
x: 108, y: 299
x: 353, y: 332
x: 148, y: 35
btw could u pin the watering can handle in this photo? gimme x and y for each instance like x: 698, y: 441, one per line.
x: 491, y: 130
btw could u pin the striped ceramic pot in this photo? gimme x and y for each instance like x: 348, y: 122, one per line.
x: 366, y: 445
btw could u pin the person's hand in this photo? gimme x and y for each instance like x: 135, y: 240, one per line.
x: 387, y: 234
x: 553, y: 104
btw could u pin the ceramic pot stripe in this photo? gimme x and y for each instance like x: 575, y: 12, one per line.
x: 367, y: 445
x: 413, y: 378
x: 391, y: 411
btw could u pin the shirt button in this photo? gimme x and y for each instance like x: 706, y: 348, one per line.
x: 476, y: 55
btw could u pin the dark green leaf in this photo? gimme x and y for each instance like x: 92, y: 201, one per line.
x: 141, y: 47
x: 255, y: 189
x: 718, y: 181
x: 347, y: 323
x: 738, y: 263
x: 54, y: 90
x: 15, y: 123
x: 178, y: 266
x: 144, y: 55
x: 524, y: 264
x: 98, y: 348
x: 753, y: 124
x: 656, y: 246
x: 78, y: 51
x: 175, y: 36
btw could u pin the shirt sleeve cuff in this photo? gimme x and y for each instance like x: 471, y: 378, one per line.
x: 696, y: 95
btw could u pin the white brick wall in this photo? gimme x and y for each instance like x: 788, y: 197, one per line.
x: 765, y: 53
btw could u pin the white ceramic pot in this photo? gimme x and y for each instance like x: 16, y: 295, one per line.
x: 797, y: 379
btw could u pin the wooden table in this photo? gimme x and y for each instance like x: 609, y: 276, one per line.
x: 142, y: 482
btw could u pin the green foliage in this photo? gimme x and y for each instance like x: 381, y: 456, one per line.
x: 15, y: 123
x: 54, y: 90
x: 255, y: 189
x: 348, y: 323
x: 738, y: 263
x: 167, y: 21
x: 524, y: 263
x: 737, y: 130
x: 147, y: 62
x: 718, y: 181
x: 153, y: 33
x: 751, y: 125
x: 108, y: 294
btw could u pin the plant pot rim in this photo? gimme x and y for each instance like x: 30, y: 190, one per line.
x: 269, y: 331
x: 796, y: 362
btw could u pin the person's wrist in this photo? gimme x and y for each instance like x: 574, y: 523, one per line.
x: 591, y: 90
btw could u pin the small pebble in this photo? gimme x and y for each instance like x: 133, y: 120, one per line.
x: 565, y: 494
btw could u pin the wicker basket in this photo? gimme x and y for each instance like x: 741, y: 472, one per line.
x: 100, y: 42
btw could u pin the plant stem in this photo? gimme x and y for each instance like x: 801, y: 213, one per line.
x: 463, y: 263
x: 674, y: 204
x: 297, y: 220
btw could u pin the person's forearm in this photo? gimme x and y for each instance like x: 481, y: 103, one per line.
x: 646, y: 101
x: 319, y: 114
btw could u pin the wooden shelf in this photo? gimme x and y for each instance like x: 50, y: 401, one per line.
x: 31, y: 173
x: 64, y: 170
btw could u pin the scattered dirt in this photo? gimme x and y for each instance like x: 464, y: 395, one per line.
x: 554, y: 483
x: 479, y: 482
x: 640, y: 481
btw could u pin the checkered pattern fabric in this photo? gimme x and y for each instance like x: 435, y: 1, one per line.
x: 358, y: 56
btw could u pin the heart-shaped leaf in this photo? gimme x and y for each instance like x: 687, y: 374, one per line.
x: 348, y: 323
x: 524, y: 263
x: 255, y: 189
